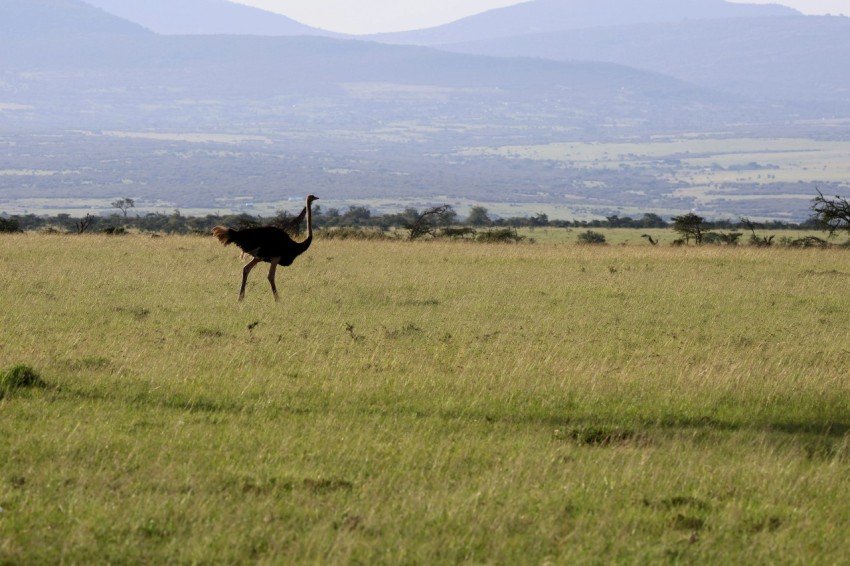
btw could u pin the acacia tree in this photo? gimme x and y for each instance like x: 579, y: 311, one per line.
x: 832, y: 214
x: 124, y: 204
x: 426, y: 223
x: 689, y: 226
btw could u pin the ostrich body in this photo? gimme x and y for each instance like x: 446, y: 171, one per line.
x: 268, y: 243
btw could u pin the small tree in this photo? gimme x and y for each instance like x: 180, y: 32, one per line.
x: 84, y: 224
x: 478, y: 216
x: 832, y: 215
x: 124, y: 204
x: 651, y: 220
x: 10, y: 225
x: 756, y: 240
x: 427, y: 222
x: 689, y: 226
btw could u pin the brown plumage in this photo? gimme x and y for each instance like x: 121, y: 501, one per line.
x: 268, y: 243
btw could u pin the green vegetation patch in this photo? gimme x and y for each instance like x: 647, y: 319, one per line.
x: 20, y: 377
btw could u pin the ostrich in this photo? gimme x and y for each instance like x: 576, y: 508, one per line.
x: 648, y: 237
x: 291, y: 226
x: 267, y: 243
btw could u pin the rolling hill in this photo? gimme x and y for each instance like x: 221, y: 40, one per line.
x: 206, y: 17
x: 129, y: 76
x: 541, y: 16
x: 795, y: 58
x: 66, y: 18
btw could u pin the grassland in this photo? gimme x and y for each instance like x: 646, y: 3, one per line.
x: 424, y: 403
x: 703, y: 161
x: 719, y: 174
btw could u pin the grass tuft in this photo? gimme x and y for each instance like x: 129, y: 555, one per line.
x: 20, y: 377
x: 598, y: 435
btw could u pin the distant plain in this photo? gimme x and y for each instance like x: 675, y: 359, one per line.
x: 717, y: 176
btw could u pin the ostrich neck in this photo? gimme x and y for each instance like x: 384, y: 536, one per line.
x: 304, y: 244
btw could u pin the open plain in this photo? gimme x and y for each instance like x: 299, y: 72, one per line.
x: 424, y: 403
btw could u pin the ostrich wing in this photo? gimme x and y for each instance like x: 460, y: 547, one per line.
x: 265, y: 243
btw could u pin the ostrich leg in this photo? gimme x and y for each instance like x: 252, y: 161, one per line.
x: 245, y: 271
x: 272, y: 270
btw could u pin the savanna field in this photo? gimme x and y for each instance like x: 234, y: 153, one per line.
x: 424, y: 403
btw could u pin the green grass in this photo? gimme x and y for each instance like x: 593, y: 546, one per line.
x: 423, y: 403
x: 664, y: 236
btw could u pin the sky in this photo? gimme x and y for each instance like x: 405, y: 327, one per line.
x: 373, y: 16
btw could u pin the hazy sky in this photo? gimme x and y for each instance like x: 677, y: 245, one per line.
x: 371, y: 16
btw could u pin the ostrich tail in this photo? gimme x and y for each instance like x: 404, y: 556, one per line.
x: 223, y: 234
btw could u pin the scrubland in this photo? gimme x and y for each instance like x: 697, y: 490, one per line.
x: 433, y: 402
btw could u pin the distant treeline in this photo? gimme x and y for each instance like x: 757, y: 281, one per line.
x: 354, y: 217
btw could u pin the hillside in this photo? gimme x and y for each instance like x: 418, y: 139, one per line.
x: 40, y: 18
x: 771, y: 58
x: 205, y: 17
x: 139, y: 79
x: 541, y: 16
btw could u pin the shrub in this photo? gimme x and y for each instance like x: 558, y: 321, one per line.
x: 804, y: 242
x: 500, y: 235
x: 10, y: 225
x: 461, y: 232
x: 761, y: 241
x: 591, y: 237
x: 425, y: 224
x: 718, y: 238
x: 20, y: 377
x: 351, y: 233
x: 832, y: 214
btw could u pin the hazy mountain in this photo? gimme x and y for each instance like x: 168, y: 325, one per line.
x: 540, y: 16
x: 145, y: 79
x: 30, y: 18
x: 205, y: 17
x: 106, y: 108
x: 799, y: 58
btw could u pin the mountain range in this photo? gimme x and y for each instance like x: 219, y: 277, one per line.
x: 118, y: 100
x: 209, y: 17
x: 100, y: 68
x: 205, y: 17
x: 541, y: 16
x: 806, y: 59
x: 765, y: 52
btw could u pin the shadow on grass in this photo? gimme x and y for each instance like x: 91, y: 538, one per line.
x: 604, y: 429
x: 583, y: 423
x: 155, y: 399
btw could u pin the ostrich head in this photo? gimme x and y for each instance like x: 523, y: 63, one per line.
x: 311, y: 198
